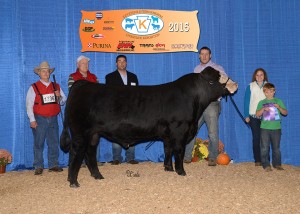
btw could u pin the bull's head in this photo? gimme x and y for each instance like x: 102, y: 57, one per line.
x: 214, y: 77
x: 228, y: 84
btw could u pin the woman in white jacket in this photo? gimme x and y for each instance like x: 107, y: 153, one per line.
x: 253, y: 94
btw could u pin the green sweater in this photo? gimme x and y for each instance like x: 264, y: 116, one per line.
x: 271, y: 120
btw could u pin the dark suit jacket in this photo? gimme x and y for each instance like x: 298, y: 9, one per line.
x: 114, y: 78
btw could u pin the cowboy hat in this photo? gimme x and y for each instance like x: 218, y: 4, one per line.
x: 43, y: 65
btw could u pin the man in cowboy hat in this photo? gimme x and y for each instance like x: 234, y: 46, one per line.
x: 43, y: 102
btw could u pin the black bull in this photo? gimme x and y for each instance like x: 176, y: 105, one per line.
x: 128, y: 115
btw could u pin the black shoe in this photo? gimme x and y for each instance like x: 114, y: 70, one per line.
x: 100, y: 163
x: 268, y: 169
x: 56, y: 169
x: 133, y: 162
x: 278, y: 167
x: 38, y: 171
x: 257, y: 163
x: 115, y: 162
x: 212, y: 162
x: 187, y: 161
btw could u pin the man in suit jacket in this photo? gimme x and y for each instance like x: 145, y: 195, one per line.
x: 122, y: 77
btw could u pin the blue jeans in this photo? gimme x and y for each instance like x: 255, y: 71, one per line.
x: 255, y: 129
x: 117, y: 150
x: 267, y: 138
x: 211, y: 118
x: 47, y: 129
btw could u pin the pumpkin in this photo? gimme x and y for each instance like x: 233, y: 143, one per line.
x: 223, y: 159
x: 195, y: 159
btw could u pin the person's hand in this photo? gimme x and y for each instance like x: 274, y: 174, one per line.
x: 33, y: 124
x: 57, y: 93
x: 247, y: 119
x: 277, y: 106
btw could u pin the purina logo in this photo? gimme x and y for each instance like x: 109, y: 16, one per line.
x: 142, y: 24
x: 99, y: 46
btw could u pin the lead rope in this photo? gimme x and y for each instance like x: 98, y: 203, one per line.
x: 238, y: 111
x: 58, y: 101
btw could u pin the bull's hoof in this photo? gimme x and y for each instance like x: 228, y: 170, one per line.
x: 169, y: 168
x: 98, y: 177
x: 75, y: 185
x: 181, y: 172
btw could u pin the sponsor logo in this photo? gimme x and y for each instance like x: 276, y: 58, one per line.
x: 108, y: 28
x: 142, y: 24
x: 182, y: 46
x: 159, y: 47
x: 97, y: 36
x: 89, y: 21
x: 125, y: 46
x: 99, y: 15
x: 88, y: 29
x: 99, y: 46
x: 146, y: 45
x: 109, y: 22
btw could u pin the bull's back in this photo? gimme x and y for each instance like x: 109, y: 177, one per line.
x: 127, y: 114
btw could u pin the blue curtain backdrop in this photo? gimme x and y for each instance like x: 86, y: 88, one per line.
x: 243, y: 35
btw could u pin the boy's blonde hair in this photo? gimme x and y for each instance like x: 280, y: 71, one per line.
x: 269, y: 86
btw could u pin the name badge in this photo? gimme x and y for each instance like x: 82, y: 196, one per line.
x: 133, y: 84
x: 48, y: 99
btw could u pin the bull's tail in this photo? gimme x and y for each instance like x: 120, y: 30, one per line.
x: 65, y: 140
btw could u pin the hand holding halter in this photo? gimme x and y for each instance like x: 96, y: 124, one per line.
x: 56, y: 93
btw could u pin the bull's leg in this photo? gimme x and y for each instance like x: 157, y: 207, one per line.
x: 91, y: 159
x: 168, y: 156
x: 75, y: 159
x: 179, y: 149
x: 74, y: 170
x: 71, y: 158
x: 91, y: 163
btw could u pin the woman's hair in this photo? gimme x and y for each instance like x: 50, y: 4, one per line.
x: 257, y: 70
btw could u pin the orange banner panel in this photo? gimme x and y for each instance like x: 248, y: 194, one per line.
x: 139, y: 31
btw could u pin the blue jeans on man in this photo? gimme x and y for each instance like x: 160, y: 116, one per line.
x: 211, y: 118
x: 270, y: 137
x: 117, y: 150
x: 47, y: 129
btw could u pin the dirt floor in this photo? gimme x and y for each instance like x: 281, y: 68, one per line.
x: 147, y: 188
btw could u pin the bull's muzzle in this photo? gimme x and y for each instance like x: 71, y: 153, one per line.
x: 230, y: 85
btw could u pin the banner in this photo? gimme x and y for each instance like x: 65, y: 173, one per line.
x: 139, y: 31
